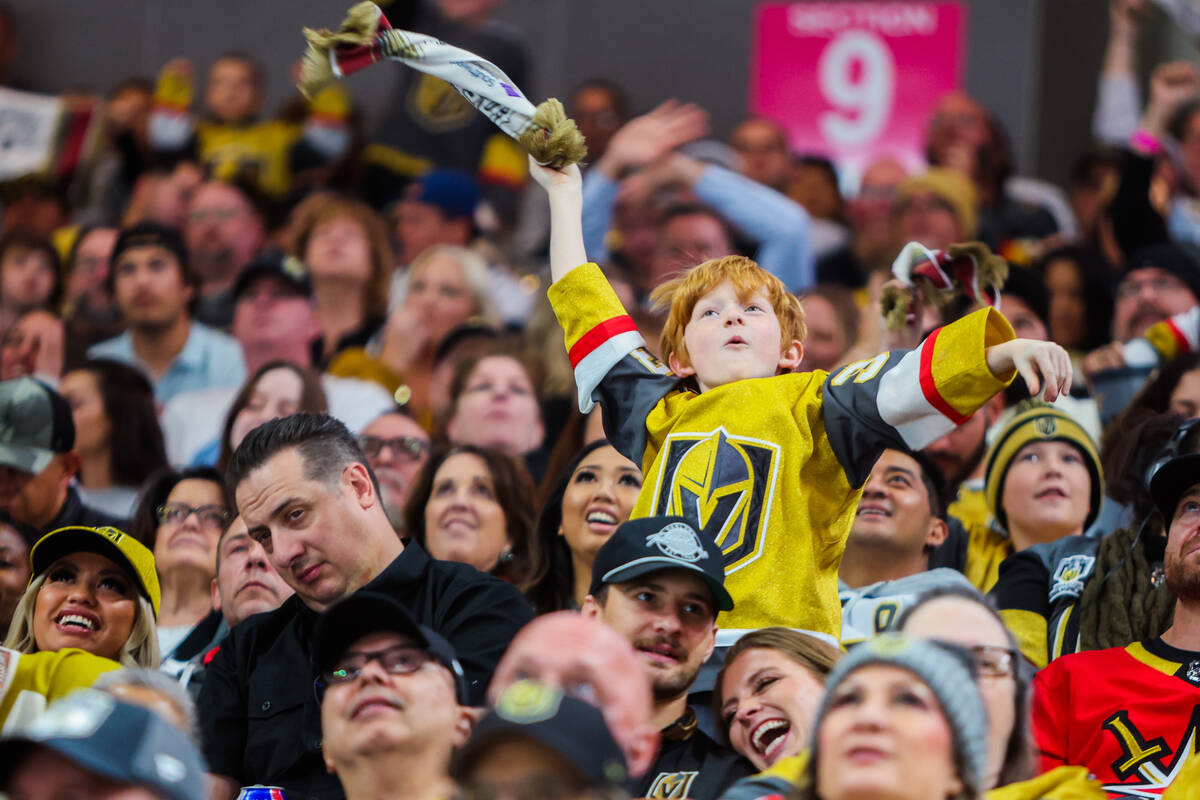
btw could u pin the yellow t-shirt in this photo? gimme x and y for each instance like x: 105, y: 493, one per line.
x: 31, y: 681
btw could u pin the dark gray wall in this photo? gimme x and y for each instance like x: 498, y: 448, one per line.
x: 1019, y: 61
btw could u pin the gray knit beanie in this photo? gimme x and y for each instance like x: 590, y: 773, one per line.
x: 949, y: 672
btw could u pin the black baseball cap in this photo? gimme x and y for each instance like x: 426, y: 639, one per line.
x: 567, y: 726
x: 650, y: 544
x: 151, y: 234
x: 364, y: 613
x: 120, y: 741
x: 35, y: 424
x: 1180, y: 259
x: 288, y: 269
x: 1173, y: 479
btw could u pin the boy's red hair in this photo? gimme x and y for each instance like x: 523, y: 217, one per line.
x: 680, y: 295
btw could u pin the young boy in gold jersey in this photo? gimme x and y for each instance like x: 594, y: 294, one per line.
x: 766, y: 461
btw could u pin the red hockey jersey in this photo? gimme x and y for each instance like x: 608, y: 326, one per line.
x: 1128, y: 714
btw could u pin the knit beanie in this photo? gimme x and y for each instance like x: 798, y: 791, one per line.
x: 951, y: 187
x: 949, y: 672
x: 1039, y: 422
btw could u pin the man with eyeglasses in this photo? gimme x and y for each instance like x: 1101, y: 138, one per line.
x: 393, y: 701
x: 224, y: 231
x: 396, y: 447
x: 1131, y: 714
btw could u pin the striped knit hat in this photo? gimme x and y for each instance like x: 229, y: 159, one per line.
x: 1036, y: 421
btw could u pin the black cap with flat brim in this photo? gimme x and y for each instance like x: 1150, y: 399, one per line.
x: 364, y: 613
x: 651, y: 544
x: 1170, y: 482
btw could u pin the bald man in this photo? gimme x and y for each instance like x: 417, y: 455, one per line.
x: 593, y: 662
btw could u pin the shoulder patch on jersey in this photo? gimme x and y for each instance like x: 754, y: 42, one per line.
x: 672, y: 785
x: 1069, y: 576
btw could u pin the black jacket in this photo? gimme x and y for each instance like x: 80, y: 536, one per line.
x: 259, y: 717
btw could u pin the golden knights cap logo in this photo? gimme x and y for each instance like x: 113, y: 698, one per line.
x: 678, y: 541
x: 527, y: 701
x: 1047, y: 425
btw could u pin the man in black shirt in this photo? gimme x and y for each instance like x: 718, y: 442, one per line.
x: 308, y: 497
x: 660, y: 584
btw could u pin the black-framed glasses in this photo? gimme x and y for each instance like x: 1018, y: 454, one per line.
x: 994, y: 662
x: 410, y: 447
x: 210, y: 516
x: 399, y: 660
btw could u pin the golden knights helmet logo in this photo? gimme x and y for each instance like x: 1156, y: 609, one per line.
x: 721, y: 484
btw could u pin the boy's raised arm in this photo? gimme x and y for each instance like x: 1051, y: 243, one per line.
x: 1045, y: 366
x: 564, y: 188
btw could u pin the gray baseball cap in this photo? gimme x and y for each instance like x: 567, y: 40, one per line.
x: 35, y: 424
x: 117, y: 740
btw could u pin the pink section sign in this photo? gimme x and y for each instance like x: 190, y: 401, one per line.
x: 855, y: 81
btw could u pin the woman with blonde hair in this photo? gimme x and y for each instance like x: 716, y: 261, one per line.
x: 94, y: 589
x: 444, y: 288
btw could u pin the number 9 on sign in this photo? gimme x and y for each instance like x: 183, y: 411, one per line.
x: 856, y: 76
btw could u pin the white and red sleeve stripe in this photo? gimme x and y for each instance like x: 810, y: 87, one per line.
x: 909, y: 399
x: 598, y: 351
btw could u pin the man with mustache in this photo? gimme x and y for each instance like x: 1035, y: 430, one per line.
x: 155, y: 288
x: 1130, y: 714
x: 660, y: 585
x: 393, y: 701
x: 900, y: 519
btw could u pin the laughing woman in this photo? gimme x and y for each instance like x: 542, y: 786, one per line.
x: 92, y: 589
x: 766, y: 699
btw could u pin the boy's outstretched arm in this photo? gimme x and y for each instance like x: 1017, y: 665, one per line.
x: 566, y: 209
x: 1045, y: 366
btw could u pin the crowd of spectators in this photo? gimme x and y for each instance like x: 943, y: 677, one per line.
x: 300, y: 487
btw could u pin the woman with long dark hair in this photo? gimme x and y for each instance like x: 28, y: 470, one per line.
x: 595, y: 493
x: 117, y: 435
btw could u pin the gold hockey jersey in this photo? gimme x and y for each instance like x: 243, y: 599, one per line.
x: 770, y: 468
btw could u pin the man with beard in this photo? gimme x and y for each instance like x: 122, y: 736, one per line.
x: 660, y: 585
x: 224, y: 231
x: 154, y: 288
x: 396, y: 448
x: 1131, y: 715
